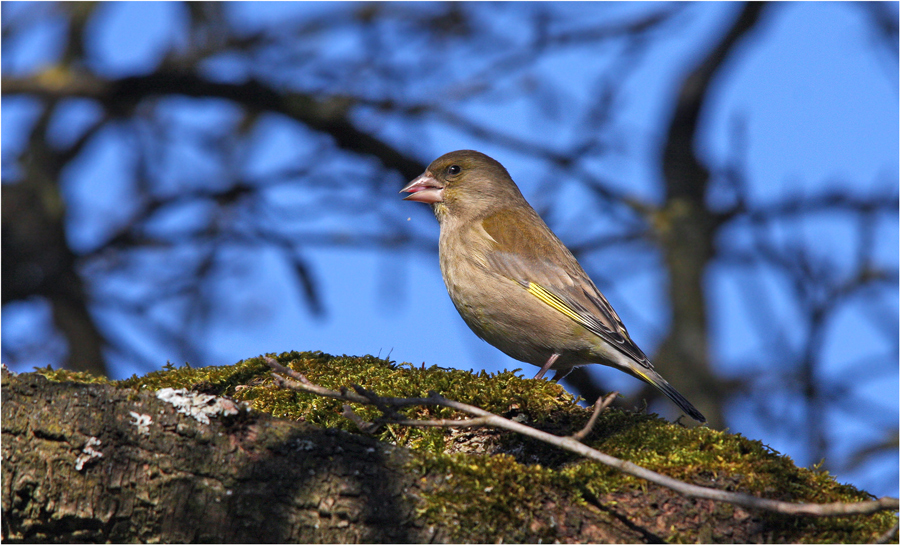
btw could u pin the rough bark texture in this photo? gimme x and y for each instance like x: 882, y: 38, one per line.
x: 247, y: 478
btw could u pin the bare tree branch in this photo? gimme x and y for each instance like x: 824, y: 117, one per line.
x: 328, y: 116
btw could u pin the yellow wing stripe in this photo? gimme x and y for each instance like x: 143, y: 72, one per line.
x: 555, y: 301
x: 647, y: 379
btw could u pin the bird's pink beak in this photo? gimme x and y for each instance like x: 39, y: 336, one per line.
x: 425, y: 189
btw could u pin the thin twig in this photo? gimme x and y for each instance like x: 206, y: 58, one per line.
x: 572, y: 445
x: 301, y: 384
x: 599, y: 406
x: 366, y: 427
x: 444, y: 423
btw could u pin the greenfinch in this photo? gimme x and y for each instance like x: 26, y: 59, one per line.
x: 515, y: 283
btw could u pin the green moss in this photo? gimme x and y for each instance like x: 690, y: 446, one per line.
x: 64, y: 375
x: 490, y: 499
x: 501, y: 393
x: 223, y: 380
x: 504, y: 494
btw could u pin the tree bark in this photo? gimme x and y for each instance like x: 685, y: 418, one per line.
x: 248, y: 478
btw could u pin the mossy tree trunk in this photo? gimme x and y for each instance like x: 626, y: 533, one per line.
x: 94, y: 462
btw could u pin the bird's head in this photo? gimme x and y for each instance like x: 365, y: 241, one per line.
x: 464, y: 185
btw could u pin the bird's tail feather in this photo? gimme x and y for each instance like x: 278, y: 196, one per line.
x: 660, y: 383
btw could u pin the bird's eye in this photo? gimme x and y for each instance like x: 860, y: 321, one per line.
x: 453, y: 170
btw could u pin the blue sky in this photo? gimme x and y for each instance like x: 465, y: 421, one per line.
x: 819, y: 111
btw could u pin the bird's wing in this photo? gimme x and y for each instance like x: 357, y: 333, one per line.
x: 528, y: 253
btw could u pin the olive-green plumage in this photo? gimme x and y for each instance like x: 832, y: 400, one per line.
x: 515, y: 283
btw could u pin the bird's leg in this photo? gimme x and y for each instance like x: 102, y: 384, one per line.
x: 547, y: 366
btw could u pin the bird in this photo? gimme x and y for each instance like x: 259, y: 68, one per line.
x: 514, y: 282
